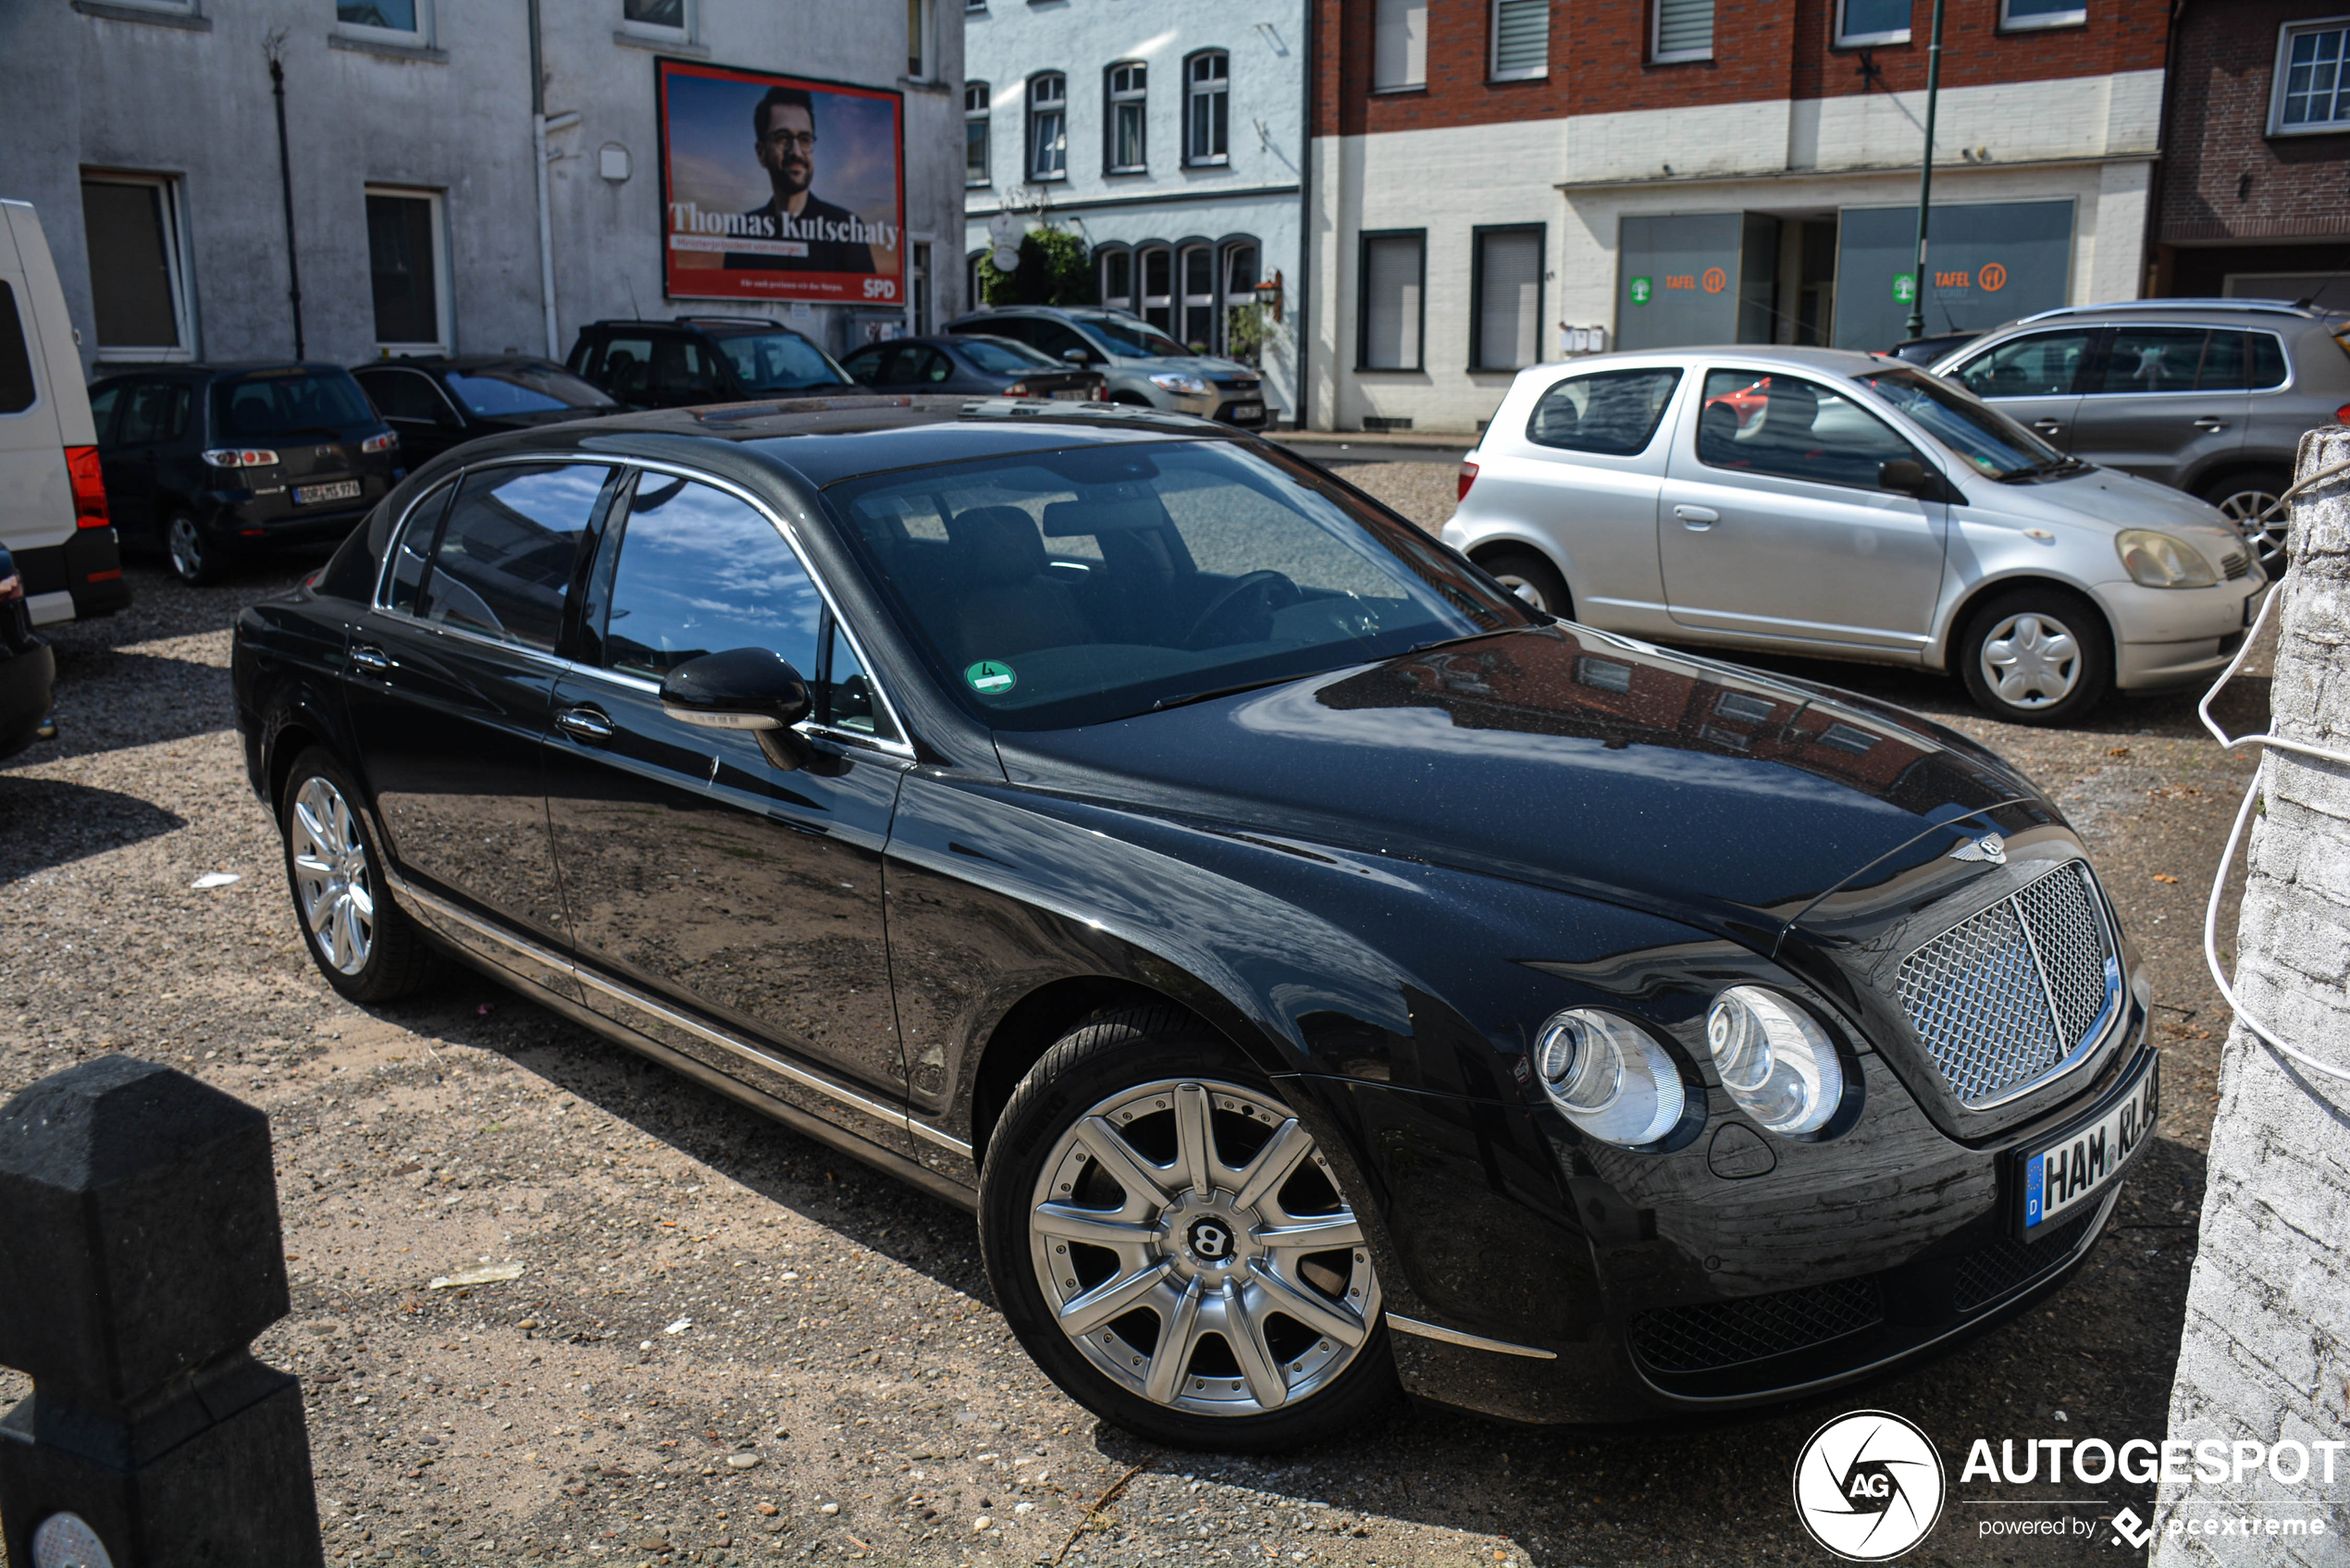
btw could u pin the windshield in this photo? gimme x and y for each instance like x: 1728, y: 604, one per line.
x: 1989, y: 441
x: 522, y: 388
x: 780, y: 362
x: 1130, y: 339
x: 999, y: 357
x: 290, y: 403
x: 1081, y: 586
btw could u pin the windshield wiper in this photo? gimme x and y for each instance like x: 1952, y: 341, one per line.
x: 2060, y: 463
x: 1214, y: 692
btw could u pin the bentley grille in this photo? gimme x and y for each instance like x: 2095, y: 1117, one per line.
x: 2006, y: 994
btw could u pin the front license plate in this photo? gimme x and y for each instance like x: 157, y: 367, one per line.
x: 1072, y: 394
x: 311, y: 495
x: 1248, y: 413
x: 2064, y: 1176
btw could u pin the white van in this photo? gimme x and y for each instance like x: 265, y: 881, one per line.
x: 53, y: 503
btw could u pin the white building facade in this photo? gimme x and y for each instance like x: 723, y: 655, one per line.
x: 1171, y: 140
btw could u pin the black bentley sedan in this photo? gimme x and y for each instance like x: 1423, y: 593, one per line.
x: 1316, y: 967
x: 443, y: 401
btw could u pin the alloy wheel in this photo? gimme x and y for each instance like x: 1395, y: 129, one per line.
x: 187, y: 548
x: 331, y: 882
x: 1193, y: 1245
x: 1529, y: 591
x: 2032, y: 660
x: 2245, y: 509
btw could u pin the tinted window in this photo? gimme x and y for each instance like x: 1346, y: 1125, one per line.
x: 507, y: 548
x: 402, y: 394
x: 1615, y: 412
x: 1758, y: 423
x: 685, y: 371
x: 848, y: 703
x: 154, y: 411
x: 2041, y: 364
x: 1058, y: 341
x: 702, y: 571
x: 15, y: 363
x: 2224, y: 368
x: 1126, y: 335
x: 101, y: 402
x: 1005, y: 359
x: 778, y: 361
x: 2268, y: 360
x: 522, y: 389
x: 289, y: 404
x: 627, y: 369
x: 2153, y: 358
x: 414, y: 550
x: 865, y: 365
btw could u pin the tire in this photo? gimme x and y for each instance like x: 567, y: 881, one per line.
x: 2036, y: 656
x: 1113, y: 1097
x: 365, y: 945
x: 2243, y: 495
x: 195, y: 560
x: 1532, y: 579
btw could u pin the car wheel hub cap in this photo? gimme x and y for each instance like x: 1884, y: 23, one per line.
x: 187, y: 550
x: 331, y: 886
x: 2031, y: 661
x: 1193, y: 1245
x: 2245, y: 509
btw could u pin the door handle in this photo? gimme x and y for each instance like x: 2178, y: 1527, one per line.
x: 1697, y: 517
x: 585, y: 723
x: 2210, y: 424
x: 2047, y: 426
x: 371, y: 659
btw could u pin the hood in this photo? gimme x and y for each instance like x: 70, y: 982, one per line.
x: 1565, y: 756
x: 2109, y: 500
x: 1193, y: 365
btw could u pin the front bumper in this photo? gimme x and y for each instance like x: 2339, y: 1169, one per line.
x: 2165, y: 638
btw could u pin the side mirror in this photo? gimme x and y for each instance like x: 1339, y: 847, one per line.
x: 744, y: 688
x: 1077, y: 356
x: 1905, y: 474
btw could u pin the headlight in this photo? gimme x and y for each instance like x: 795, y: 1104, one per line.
x: 1776, y: 1063
x: 1608, y: 1077
x: 2158, y: 561
x: 1176, y: 381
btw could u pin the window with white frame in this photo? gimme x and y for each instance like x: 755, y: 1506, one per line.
x: 1049, y: 127
x: 2313, y: 78
x: 1521, y: 39
x: 392, y: 22
x: 1399, y: 45
x: 1240, y: 286
x: 1159, y: 288
x: 1128, y: 88
x: 1872, y: 21
x: 657, y: 19
x: 976, y: 105
x: 1117, y: 266
x: 1506, y: 282
x: 406, y: 243
x: 1197, y: 267
x: 138, y: 283
x: 1681, y: 30
x: 920, y: 39
x: 2017, y: 14
x: 1388, y: 329
x: 1208, y: 100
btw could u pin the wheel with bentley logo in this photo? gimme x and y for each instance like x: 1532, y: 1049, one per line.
x: 1174, y: 1249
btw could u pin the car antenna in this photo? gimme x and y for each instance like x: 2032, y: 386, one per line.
x: 633, y: 308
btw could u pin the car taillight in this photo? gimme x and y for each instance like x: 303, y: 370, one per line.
x: 1468, y: 477
x: 11, y: 587
x: 384, y: 441
x: 2341, y: 414
x: 1017, y: 389
x: 241, y: 457
x: 89, y: 487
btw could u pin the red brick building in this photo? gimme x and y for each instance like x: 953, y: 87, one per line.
x: 2254, y: 197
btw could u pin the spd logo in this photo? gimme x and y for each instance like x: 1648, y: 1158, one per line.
x: 1868, y: 1486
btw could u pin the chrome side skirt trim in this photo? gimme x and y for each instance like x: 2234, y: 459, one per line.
x: 441, y: 908
x: 1471, y: 1341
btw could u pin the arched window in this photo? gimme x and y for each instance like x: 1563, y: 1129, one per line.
x: 1126, y: 85
x: 1116, y: 266
x: 1047, y: 126
x: 1206, y: 106
x: 976, y: 104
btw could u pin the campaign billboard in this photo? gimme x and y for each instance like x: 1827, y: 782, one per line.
x: 780, y: 187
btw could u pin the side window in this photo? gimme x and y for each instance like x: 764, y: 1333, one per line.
x: 15, y: 361
x: 1615, y: 411
x: 929, y: 366
x: 403, y: 394
x: 685, y: 371
x: 1771, y: 424
x: 412, y: 551
x: 627, y: 370
x: 506, y: 551
x: 154, y: 411
x: 102, y: 406
x: 2041, y: 364
x: 701, y: 572
x: 1057, y: 339
x: 865, y: 365
x: 847, y: 701
x: 2268, y: 361
x: 2152, y: 359
x: 2223, y: 366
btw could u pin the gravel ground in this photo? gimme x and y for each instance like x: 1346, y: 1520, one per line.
x: 727, y: 1345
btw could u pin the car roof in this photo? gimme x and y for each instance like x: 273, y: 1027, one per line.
x: 210, y: 370
x: 460, y: 361
x: 710, y: 325
x: 2191, y: 308
x: 1822, y: 362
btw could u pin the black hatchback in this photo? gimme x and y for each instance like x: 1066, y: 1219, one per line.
x: 1316, y: 966
x: 699, y: 359
x: 210, y: 461
x: 445, y: 400
x: 984, y: 367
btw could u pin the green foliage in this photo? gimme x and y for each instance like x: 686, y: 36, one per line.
x: 1246, y: 331
x: 1055, y: 269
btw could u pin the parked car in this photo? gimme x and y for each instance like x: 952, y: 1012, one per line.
x: 1297, y: 946
x: 206, y: 461
x: 439, y: 401
x: 1141, y: 364
x: 986, y: 367
x: 701, y: 359
x: 28, y: 670
x: 1926, y: 351
x: 1846, y: 505
x: 2211, y: 396
x: 53, y: 501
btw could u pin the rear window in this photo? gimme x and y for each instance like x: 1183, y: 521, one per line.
x: 15, y: 363
x: 779, y: 362
x: 523, y: 389
x: 289, y: 404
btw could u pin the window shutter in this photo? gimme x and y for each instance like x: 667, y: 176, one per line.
x: 1509, y: 301
x: 1391, y: 302
x: 1521, y: 37
x: 1684, y: 27
x: 1399, y: 54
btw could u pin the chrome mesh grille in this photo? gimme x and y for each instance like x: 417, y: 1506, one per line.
x: 1980, y: 995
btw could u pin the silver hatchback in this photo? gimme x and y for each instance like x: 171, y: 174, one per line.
x: 1824, y: 503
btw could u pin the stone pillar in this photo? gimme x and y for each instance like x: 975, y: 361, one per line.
x: 2266, y: 1354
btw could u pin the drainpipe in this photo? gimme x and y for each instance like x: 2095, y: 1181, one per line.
x: 285, y: 183
x: 1302, y: 334
x: 1925, y: 177
x: 539, y: 174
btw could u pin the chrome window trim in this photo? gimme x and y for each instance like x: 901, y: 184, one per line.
x: 901, y: 748
x: 1438, y: 1332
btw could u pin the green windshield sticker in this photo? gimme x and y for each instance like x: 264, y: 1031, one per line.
x: 989, y: 678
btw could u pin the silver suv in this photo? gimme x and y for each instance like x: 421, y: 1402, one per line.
x: 2209, y: 396
x: 1143, y: 365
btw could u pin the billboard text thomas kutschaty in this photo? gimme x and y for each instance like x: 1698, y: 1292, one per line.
x: 780, y: 188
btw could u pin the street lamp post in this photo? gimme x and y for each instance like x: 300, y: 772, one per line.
x: 1916, y: 326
